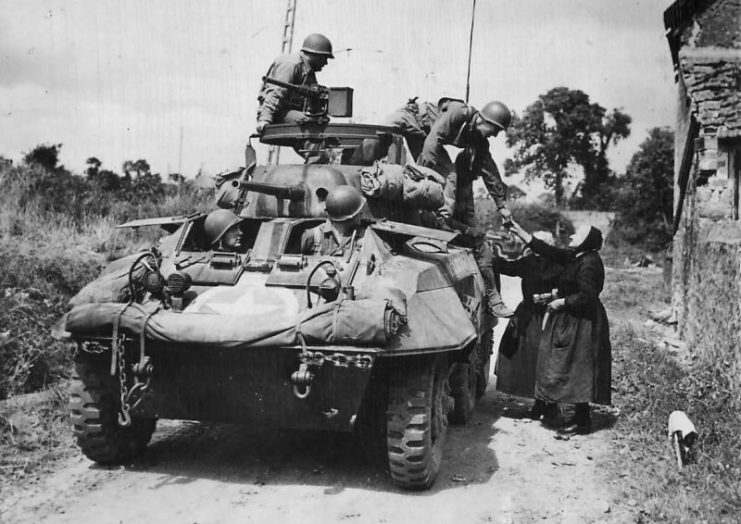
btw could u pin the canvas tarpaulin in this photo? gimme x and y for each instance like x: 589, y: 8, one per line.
x: 358, y: 322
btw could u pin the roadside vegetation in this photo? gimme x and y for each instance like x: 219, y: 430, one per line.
x: 57, y: 230
x: 650, y: 383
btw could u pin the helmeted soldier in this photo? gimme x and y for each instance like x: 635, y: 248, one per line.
x: 461, y: 125
x: 414, y: 121
x: 222, y: 230
x: 277, y: 104
x: 344, y: 206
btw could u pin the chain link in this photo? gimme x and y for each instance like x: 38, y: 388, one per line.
x: 124, y: 418
x: 92, y: 347
x: 342, y: 360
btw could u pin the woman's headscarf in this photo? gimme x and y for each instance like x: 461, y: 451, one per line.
x: 592, y: 242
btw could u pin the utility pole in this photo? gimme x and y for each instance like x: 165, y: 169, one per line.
x: 180, y: 154
x: 286, y: 46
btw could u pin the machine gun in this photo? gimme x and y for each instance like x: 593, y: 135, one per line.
x: 319, y: 101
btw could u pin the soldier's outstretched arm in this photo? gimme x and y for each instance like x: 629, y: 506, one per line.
x: 492, y: 179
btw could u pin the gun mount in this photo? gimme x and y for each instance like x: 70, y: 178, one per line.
x: 320, y: 102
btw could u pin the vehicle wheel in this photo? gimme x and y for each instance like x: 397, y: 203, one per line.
x: 483, y: 372
x: 94, y: 415
x: 463, y: 388
x: 417, y: 421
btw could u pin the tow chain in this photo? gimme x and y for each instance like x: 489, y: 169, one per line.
x: 92, y: 347
x: 341, y: 360
x: 125, y: 395
x: 310, y: 361
x: 124, y: 418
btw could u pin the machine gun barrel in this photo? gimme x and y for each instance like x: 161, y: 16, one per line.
x: 296, y: 192
x: 307, y: 91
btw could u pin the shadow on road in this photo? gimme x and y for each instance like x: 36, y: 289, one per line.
x: 183, y: 452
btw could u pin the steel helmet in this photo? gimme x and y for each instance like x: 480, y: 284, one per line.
x: 344, y: 203
x: 219, y: 222
x: 497, y: 113
x: 317, y: 44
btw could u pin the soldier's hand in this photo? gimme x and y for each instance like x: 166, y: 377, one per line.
x: 261, y: 126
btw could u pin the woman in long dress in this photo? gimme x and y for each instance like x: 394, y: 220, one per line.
x: 518, y: 349
x: 575, y: 356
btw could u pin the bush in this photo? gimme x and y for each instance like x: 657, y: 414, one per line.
x: 56, y: 232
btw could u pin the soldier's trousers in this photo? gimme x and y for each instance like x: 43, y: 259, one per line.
x: 485, y: 260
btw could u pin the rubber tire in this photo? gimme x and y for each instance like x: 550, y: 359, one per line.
x: 463, y: 389
x: 417, y: 421
x: 484, y: 366
x: 93, y: 412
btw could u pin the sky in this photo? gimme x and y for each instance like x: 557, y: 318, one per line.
x: 120, y: 80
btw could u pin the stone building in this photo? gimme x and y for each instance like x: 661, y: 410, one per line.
x: 705, y: 43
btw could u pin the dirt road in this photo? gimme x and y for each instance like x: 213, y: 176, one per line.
x: 498, y: 468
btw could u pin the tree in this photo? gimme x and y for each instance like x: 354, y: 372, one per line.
x: 93, y: 167
x: 645, y: 197
x: 140, y: 167
x: 45, y: 156
x: 562, y: 129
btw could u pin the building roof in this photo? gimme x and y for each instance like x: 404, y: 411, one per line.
x: 712, y: 77
x: 678, y: 16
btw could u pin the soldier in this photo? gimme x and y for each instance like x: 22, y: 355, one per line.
x: 222, y: 230
x: 414, y: 121
x: 344, y: 205
x: 461, y: 125
x: 277, y: 104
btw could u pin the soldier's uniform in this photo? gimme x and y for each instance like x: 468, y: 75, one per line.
x: 413, y: 121
x: 278, y: 105
x: 455, y: 126
x: 321, y: 240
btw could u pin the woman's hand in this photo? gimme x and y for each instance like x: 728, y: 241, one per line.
x: 557, y: 304
x: 517, y: 229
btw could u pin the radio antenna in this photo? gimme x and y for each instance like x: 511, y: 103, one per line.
x: 470, y: 49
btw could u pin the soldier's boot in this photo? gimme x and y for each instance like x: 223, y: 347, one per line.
x: 496, y: 305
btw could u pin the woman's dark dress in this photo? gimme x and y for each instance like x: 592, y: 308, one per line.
x: 575, y: 357
x: 518, y: 349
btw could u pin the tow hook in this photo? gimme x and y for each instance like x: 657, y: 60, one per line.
x: 302, y: 378
x: 144, y: 368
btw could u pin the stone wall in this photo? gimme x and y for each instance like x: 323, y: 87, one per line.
x: 706, y: 279
x: 717, y: 25
x: 712, y: 322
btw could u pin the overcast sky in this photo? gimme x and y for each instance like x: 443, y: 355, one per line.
x: 117, y: 80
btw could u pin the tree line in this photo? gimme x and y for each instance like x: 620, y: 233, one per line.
x: 563, y: 134
x: 44, y: 183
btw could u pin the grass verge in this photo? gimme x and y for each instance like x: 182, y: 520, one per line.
x: 649, y: 384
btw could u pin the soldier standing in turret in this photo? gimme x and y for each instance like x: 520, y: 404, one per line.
x: 461, y: 125
x: 277, y: 104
